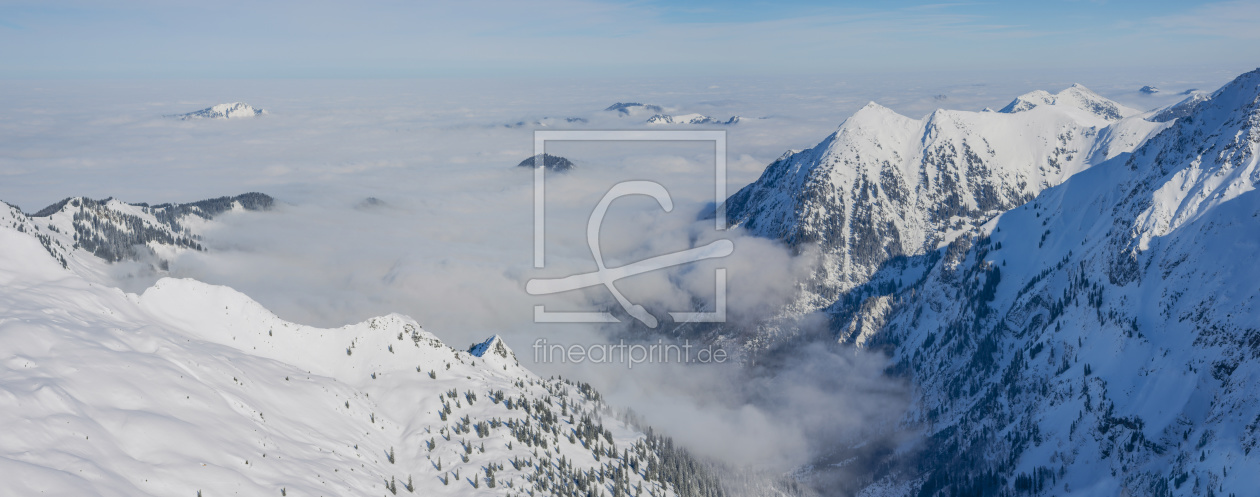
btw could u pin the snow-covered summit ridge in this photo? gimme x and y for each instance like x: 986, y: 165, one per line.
x: 234, y: 110
x: 884, y: 185
x: 1075, y: 96
x: 83, y: 232
x: 1107, y: 328
x: 1205, y: 159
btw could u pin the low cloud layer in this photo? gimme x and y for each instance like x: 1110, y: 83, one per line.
x: 449, y: 236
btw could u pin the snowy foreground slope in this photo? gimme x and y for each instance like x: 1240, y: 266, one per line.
x: 1101, y: 339
x: 885, y: 185
x: 194, y: 389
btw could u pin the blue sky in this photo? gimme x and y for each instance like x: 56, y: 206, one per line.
x: 574, y: 38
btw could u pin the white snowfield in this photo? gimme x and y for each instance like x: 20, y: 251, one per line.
x: 193, y: 389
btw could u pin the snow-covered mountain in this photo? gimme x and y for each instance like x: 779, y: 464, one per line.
x: 1077, y: 97
x: 885, y: 186
x: 232, y: 110
x: 85, y: 232
x: 195, y: 389
x: 1100, y: 339
x: 690, y: 119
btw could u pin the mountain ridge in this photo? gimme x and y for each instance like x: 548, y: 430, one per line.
x: 1119, y: 294
x: 885, y: 185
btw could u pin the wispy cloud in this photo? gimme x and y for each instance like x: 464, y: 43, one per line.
x: 1236, y: 20
x: 577, y: 37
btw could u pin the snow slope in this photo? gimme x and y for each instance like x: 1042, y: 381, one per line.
x: 194, y: 389
x: 1099, y: 340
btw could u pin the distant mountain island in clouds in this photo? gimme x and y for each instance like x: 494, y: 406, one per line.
x: 690, y: 119
x: 632, y: 108
x: 234, y: 110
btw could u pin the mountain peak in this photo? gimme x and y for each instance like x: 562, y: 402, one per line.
x: 873, y: 113
x: 494, y: 346
x: 874, y: 106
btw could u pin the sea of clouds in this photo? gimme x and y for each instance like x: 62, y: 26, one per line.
x: 402, y: 196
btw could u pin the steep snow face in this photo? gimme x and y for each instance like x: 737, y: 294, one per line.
x: 90, y: 232
x: 1076, y: 97
x: 1100, y: 339
x: 1179, y: 109
x: 191, y: 388
x: 885, y: 185
x: 233, y: 110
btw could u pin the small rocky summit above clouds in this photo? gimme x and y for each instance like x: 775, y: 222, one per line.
x: 233, y: 110
x: 1148, y: 89
x: 548, y: 121
x: 633, y: 108
x: 548, y: 161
